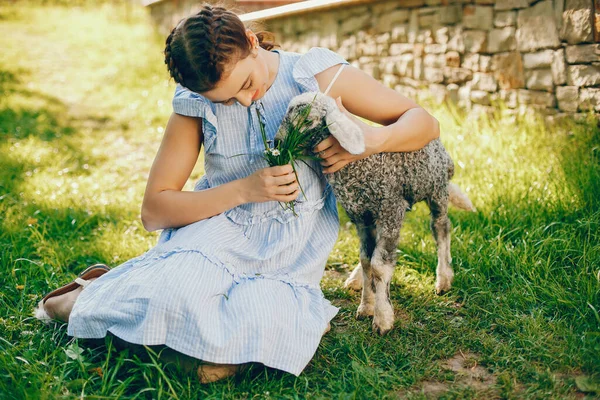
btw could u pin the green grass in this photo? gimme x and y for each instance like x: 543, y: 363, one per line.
x: 84, y: 97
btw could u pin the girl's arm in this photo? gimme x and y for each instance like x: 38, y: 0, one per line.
x: 165, y: 205
x: 406, y: 125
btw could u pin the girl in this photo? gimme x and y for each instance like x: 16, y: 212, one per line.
x: 234, y: 278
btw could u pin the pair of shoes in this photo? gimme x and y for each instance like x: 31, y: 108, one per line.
x: 83, y: 279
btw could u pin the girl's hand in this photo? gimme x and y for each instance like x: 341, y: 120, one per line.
x: 270, y: 184
x: 335, y: 157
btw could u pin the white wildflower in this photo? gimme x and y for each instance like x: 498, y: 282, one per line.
x: 275, y: 152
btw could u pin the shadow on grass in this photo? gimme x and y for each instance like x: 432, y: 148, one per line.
x: 27, y: 115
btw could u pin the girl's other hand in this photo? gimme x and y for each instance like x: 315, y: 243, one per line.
x: 271, y: 184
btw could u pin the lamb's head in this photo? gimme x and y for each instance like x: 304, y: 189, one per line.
x: 322, y: 117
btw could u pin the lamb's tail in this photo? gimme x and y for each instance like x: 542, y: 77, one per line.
x: 459, y: 199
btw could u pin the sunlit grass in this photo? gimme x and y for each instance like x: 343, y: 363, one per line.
x: 84, y: 98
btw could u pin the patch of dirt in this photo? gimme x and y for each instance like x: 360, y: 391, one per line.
x: 469, y: 372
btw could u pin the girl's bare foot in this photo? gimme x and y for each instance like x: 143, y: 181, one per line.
x: 59, y: 307
x: 209, y: 372
x: 327, y: 329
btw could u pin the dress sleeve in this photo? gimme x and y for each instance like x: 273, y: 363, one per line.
x: 191, y: 104
x: 317, y: 59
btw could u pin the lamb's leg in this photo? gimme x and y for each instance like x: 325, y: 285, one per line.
x: 355, y: 280
x: 441, y: 228
x: 367, y: 245
x: 383, y: 264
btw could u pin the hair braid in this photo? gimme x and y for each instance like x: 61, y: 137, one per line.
x: 204, y: 47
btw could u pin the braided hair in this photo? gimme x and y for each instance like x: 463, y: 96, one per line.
x: 200, y: 48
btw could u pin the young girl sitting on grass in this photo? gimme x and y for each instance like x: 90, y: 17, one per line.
x: 234, y: 277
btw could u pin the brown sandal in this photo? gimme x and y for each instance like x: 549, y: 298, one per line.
x: 83, y: 279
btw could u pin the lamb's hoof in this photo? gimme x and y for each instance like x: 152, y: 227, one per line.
x: 442, y: 286
x: 382, y: 328
x: 355, y: 280
x: 383, y: 320
x: 353, y: 283
x: 364, y: 311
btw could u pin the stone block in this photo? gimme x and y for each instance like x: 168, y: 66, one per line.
x: 404, y: 66
x: 410, y: 82
x: 450, y: 15
x: 434, y: 60
x: 452, y: 59
x: 389, y: 80
x: 418, y: 69
x: 540, y: 59
x: 401, y: 48
x: 384, y: 38
x: 387, y: 21
x: 503, y: 19
x: 356, y: 23
x: 435, y: 48
x: 452, y: 90
x: 457, y: 75
x: 456, y: 41
x: 568, y: 98
x: 539, y: 79
x: 534, y: 98
x: 480, y: 97
x: 475, y: 41
x: 589, y: 99
x: 485, y: 63
x: 487, y: 2
x: 584, y: 75
x: 585, y: 53
x: 508, y: 70
x: 387, y: 65
x: 440, y: 35
x: 471, y: 61
x: 477, y: 17
x: 559, y: 67
x: 399, y: 33
x: 433, y: 2
x: 437, y: 93
x: 500, y: 40
x: 537, y: 28
x: 428, y: 17
x: 407, y: 91
x: 510, y: 4
x: 464, y: 96
x: 577, y: 22
x: 413, y: 26
x: 434, y: 75
x: 509, y: 97
x: 485, y: 82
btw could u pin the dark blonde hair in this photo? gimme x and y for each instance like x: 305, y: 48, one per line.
x: 201, y: 47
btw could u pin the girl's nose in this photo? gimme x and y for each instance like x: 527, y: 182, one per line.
x: 245, y: 100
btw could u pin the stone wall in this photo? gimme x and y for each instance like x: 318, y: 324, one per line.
x: 529, y: 54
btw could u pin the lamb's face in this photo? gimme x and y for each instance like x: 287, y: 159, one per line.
x: 324, y: 118
x: 312, y: 103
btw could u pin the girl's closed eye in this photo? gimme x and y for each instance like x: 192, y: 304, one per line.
x: 232, y: 100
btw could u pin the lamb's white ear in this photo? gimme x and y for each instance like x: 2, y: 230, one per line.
x: 344, y: 129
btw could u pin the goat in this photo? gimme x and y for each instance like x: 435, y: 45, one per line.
x: 376, y: 192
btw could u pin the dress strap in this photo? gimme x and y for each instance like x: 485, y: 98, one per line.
x: 333, y: 80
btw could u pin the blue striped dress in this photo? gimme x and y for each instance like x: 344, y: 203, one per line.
x: 242, y: 286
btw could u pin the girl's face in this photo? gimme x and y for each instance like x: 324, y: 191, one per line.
x: 247, y: 82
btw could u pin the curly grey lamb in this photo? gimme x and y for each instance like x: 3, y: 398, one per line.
x: 376, y: 192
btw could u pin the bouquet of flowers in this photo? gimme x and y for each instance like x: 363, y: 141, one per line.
x: 296, y: 145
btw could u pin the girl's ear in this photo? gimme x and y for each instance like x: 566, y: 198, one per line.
x: 342, y: 128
